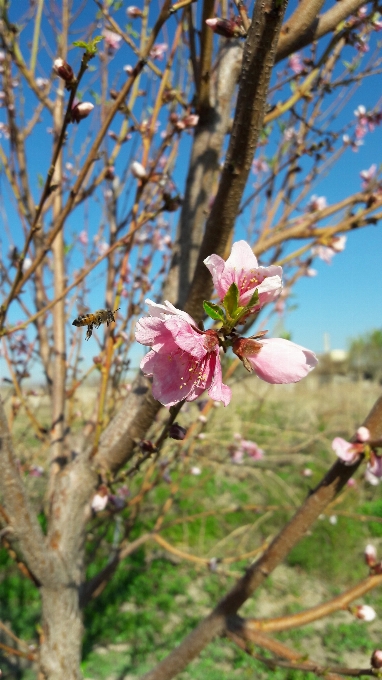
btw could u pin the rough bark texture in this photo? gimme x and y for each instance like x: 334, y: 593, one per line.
x: 62, y: 630
x: 258, y: 59
x: 203, y: 168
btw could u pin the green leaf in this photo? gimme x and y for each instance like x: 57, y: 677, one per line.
x: 254, y: 299
x: 231, y: 300
x: 81, y: 43
x: 90, y: 47
x: 213, y: 311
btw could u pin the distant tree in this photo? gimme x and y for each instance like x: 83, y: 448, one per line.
x: 365, y: 355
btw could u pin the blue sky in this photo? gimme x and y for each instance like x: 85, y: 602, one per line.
x: 342, y: 301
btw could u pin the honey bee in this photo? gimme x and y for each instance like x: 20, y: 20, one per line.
x: 95, y: 320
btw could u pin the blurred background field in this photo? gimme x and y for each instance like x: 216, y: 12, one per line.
x: 220, y: 516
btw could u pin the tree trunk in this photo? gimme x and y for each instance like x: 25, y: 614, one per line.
x: 62, y: 629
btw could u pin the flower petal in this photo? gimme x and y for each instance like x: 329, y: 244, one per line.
x: 281, y: 361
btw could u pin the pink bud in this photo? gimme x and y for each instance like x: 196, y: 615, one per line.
x: 176, y: 431
x: 138, y: 170
x: 376, y: 659
x: 363, y: 434
x: 133, y: 12
x: 364, y: 612
x: 195, y: 470
x: 225, y: 27
x: 100, y: 499
x: 63, y: 69
x: 370, y: 555
x: 81, y: 111
x: 191, y: 120
x: 128, y: 69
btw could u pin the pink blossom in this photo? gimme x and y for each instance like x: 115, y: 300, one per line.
x: 316, y: 203
x: 338, y: 243
x: 362, y: 45
x: 158, y: 51
x: 346, y: 451
x: 112, y: 40
x: 252, y: 449
x: 183, y: 361
x: 102, y: 247
x: 83, y: 238
x: 324, y: 253
x: 375, y: 465
x: 128, y: 69
x: 237, y: 455
x: 191, y: 120
x: 36, y: 471
x: 351, y: 482
x: 275, y: 360
x: 259, y: 165
x: 242, y: 268
x: 289, y: 134
x: 368, y: 175
x: 295, y: 63
x: 370, y: 478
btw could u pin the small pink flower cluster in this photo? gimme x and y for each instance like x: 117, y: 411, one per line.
x: 366, y: 121
x: 295, y: 63
x: 368, y: 176
x: 184, y: 361
x: 351, y: 452
x: 244, y: 446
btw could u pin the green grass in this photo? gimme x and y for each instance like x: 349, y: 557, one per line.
x: 155, y: 598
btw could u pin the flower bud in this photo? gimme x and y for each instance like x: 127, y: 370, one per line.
x: 81, y: 111
x: 133, y: 12
x: 225, y: 27
x: 100, y: 499
x: 376, y: 659
x: 138, y: 170
x: 363, y: 434
x: 177, y: 432
x: 191, y: 120
x: 364, y: 612
x: 147, y: 446
x: 63, y: 69
x: 110, y: 172
x: 370, y: 555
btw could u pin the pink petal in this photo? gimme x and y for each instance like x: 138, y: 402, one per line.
x: 281, y: 361
x: 345, y: 451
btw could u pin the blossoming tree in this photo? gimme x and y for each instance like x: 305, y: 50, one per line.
x: 94, y: 133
